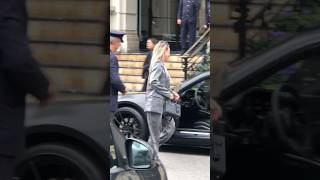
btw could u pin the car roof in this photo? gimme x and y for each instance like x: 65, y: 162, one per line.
x: 193, y: 79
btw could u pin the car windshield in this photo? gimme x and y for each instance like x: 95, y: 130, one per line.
x: 186, y: 81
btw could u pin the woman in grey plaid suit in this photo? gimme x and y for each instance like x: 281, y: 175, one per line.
x: 158, y: 90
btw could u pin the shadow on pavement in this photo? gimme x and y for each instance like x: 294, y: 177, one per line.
x: 185, y: 150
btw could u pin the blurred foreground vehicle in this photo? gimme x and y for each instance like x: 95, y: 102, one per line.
x: 66, y: 140
x: 271, y: 123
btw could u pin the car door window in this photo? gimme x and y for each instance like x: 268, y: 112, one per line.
x: 195, y: 109
x: 204, y: 85
x: 203, y: 89
x: 307, y: 77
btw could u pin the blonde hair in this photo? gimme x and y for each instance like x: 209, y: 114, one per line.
x: 158, y: 52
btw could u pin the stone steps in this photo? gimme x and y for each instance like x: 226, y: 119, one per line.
x: 133, y: 64
x: 130, y: 70
x: 138, y: 72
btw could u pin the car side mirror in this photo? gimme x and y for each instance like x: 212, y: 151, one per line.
x: 139, y: 154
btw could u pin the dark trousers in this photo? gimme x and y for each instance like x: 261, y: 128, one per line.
x: 144, y: 88
x: 6, y: 167
x: 111, y: 116
x: 187, y: 34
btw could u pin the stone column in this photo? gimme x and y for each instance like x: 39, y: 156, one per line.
x: 124, y: 17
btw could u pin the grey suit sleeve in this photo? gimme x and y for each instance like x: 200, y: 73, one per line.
x: 154, y: 77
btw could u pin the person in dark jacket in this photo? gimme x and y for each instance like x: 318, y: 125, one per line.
x: 19, y: 75
x: 151, y: 42
x: 115, y: 81
x: 187, y: 17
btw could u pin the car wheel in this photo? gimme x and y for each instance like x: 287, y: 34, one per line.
x: 131, y: 123
x: 56, y: 161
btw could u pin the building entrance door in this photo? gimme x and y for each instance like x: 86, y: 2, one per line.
x: 158, y: 19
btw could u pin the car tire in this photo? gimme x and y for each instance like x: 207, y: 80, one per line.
x: 140, y: 120
x: 53, y: 155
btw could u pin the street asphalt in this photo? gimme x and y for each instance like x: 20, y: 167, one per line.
x: 186, y: 163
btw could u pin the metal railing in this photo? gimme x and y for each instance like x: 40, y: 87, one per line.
x: 188, y: 58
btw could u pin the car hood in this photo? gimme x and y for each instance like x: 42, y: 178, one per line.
x: 136, y: 98
x: 139, y: 98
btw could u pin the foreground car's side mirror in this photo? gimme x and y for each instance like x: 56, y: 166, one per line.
x: 139, y: 154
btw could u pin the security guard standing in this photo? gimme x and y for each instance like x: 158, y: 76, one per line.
x: 187, y: 18
x: 115, y: 81
x: 207, y: 14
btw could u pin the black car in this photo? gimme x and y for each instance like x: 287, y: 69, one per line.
x: 192, y: 128
x: 271, y: 113
x: 66, y: 140
x: 69, y: 140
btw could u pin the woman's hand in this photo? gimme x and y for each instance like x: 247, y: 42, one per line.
x: 179, y: 21
x: 216, y: 111
x: 176, y: 96
x: 172, y: 97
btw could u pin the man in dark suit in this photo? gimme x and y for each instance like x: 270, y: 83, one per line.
x: 19, y: 75
x: 207, y: 14
x: 115, y: 81
x: 151, y: 42
x: 187, y: 17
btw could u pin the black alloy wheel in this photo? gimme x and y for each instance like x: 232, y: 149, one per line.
x: 131, y: 123
x: 56, y: 162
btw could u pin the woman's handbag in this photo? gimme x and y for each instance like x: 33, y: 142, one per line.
x: 172, y: 109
